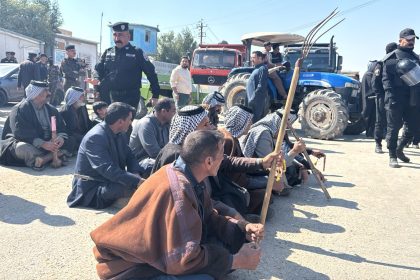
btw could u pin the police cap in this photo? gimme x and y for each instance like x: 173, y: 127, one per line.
x: 408, y: 34
x: 120, y: 26
x: 32, y: 55
x: 70, y: 47
x: 12, y: 53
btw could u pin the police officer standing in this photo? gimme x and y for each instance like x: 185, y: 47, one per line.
x: 10, y: 58
x: 119, y: 71
x: 379, y: 93
x: 401, y: 92
x: 70, y: 69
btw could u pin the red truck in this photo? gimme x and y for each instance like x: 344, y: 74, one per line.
x: 212, y: 63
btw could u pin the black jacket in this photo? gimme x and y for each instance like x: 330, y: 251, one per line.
x: 26, y: 73
x: 394, y: 86
x: 121, y: 69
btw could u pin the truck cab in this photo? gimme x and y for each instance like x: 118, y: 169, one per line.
x: 211, y: 64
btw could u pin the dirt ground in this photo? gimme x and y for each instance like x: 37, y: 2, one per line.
x: 370, y: 229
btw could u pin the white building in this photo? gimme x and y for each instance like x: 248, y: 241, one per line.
x: 85, y: 49
x: 20, y: 44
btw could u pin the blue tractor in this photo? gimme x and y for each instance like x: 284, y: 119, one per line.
x: 328, y: 104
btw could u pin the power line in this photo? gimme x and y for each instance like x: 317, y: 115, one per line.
x: 214, y: 35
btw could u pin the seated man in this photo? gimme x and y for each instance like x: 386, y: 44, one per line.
x: 261, y: 140
x: 170, y: 227
x: 75, y: 114
x: 213, y: 102
x: 106, y: 169
x: 188, y: 119
x: 99, y: 112
x: 30, y: 130
x: 151, y: 133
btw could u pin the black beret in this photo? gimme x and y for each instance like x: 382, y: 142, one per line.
x: 39, y: 84
x: 70, y: 47
x: 194, y: 111
x: 77, y: 88
x: 245, y: 108
x: 120, y: 26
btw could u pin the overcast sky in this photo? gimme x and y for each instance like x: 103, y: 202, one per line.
x: 368, y: 27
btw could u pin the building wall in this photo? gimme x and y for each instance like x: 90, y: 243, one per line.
x: 20, y: 45
x: 84, y: 50
x: 139, y: 39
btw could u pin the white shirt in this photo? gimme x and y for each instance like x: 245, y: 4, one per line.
x: 181, y: 80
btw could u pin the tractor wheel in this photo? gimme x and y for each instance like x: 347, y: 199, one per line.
x: 3, y: 98
x: 355, y: 128
x: 234, y: 90
x: 323, y: 114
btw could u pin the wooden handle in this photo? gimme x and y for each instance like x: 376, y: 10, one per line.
x: 280, y: 138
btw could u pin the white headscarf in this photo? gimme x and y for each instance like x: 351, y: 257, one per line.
x: 237, y: 120
x: 34, y: 89
x: 214, y: 99
x: 73, y: 95
x: 185, y: 122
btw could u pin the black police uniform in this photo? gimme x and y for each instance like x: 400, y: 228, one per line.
x: 120, y: 73
x: 398, y: 103
x: 9, y: 60
x: 26, y: 73
x: 369, y: 112
x: 70, y: 69
x: 378, y: 90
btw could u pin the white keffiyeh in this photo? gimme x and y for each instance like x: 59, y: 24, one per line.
x: 237, y: 120
x: 73, y: 95
x: 184, y: 122
x: 214, y: 99
x: 32, y: 91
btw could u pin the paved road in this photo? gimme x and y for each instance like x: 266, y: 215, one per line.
x: 370, y: 229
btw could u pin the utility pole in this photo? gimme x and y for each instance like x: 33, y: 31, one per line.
x: 201, y: 33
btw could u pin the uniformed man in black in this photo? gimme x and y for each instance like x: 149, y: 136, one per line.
x: 26, y: 72
x: 70, y: 69
x: 10, y: 58
x: 120, y: 70
x: 369, y: 112
x: 379, y: 93
x: 399, y: 96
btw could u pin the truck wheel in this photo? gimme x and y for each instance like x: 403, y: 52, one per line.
x: 355, y: 128
x: 323, y: 114
x: 234, y: 90
x: 3, y: 98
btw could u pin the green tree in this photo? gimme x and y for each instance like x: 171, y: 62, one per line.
x: 172, y: 47
x: 39, y: 19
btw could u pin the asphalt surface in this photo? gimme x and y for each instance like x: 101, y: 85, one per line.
x: 370, y: 229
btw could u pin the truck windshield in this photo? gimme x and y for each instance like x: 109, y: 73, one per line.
x: 314, y: 61
x: 213, y: 59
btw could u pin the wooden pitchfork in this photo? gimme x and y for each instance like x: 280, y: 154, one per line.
x: 309, y: 41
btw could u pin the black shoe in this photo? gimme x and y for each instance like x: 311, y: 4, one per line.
x: 393, y: 163
x: 378, y: 149
x: 402, y: 157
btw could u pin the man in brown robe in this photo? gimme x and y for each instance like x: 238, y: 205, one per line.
x: 169, y: 227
